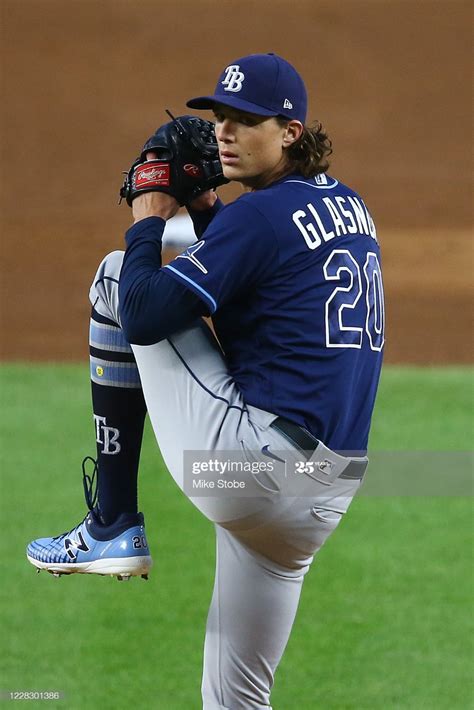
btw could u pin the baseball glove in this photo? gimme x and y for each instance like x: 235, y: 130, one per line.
x: 187, y: 162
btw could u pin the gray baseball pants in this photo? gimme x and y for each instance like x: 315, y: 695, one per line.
x: 265, y: 541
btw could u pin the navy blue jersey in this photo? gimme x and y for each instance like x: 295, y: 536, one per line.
x: 291, y: 275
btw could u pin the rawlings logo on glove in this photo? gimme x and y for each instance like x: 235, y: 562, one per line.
x: 151, y: 174
x: 187, y: 162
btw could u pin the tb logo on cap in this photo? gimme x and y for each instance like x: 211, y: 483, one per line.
x: 233, y: 78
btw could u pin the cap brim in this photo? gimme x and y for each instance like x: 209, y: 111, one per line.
x: 208, y: 102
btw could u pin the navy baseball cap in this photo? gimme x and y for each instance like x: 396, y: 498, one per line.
x: 265, y: 84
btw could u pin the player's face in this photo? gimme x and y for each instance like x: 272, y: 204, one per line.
x: 251, y: 147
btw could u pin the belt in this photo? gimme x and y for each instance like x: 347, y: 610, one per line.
x: 307, y: 444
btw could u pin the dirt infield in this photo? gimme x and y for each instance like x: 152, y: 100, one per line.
x: 85, y: 82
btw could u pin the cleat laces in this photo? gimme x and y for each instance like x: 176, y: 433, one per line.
x: 90, y: 483
x: 90, y: 492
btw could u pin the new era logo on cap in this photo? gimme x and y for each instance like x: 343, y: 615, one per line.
x: 260, y: 84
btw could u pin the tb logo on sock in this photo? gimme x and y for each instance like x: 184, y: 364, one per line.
x: 108, y: 436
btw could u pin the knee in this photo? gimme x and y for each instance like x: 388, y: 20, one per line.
x: 103, y: 293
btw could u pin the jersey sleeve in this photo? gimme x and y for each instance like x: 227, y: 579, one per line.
x: 202, y: 218
x: 237, y: 250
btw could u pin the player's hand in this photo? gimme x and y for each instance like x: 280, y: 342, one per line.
x: 154, y: 204
x: 204, y: 201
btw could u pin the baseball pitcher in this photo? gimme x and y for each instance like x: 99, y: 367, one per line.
x: 263, y: 422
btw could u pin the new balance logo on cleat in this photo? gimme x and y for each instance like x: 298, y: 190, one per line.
x: 72, y: 546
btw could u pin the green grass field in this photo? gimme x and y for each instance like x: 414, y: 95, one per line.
x: 385, y: 617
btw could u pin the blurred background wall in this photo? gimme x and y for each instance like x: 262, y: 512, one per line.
x: 85, y: 82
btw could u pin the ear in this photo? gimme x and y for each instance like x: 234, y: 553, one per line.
x: 293, y: 132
